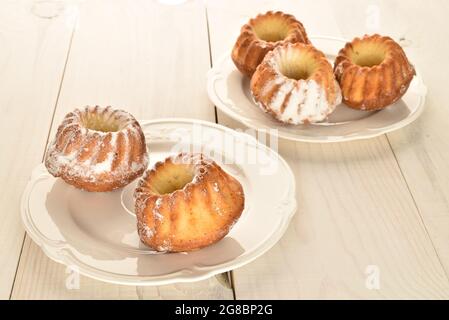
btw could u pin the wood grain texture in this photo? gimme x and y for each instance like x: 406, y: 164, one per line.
x: 421, y: 149
x: 32, y: 58
x: 151, y: 60
x: 355, y: 209
x: 382, y: 202
x: 41, y: 278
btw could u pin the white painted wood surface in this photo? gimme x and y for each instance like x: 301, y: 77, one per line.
x: 147, y: 53
x: 422, y: 149
x: 381, y: 203
x: 356, y: 211
x: 32, y: 58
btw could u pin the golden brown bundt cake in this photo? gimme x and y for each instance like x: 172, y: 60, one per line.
x: 98, y: 149
x: 185, y: 203
x: 295, y: 84
x: 373, y: 72
x: 261, y: 35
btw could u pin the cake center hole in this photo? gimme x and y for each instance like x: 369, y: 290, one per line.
x: 271, y: 29
x: 368, y: 57
x: 98, y: 123
x: 297, y: 66
x: 176, y: 179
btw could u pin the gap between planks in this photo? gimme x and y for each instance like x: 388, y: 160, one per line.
x: 421, y: 219
x: 229, y: 274
x: 47, y: 140
x: 228, y: 278
x: 401, y: 172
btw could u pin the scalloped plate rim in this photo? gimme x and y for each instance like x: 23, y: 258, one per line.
x: 215, y: 73
x: 196, y: 273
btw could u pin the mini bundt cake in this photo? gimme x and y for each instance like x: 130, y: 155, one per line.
x: 295, y: 84
x: 98, y: 149
x: 185, y: 203
x: 261, y: 35
x: 373, y: 72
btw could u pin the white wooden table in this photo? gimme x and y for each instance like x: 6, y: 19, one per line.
x: 379, y: 206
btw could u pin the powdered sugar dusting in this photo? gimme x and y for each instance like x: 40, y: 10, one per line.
x: 166, y: 246
x: 304, y: 100
x: 270, y: 85
x: 105, y: 165
x: 149, y: 200
x: 307, y: 103
x: 280, y: 96
x: 62, y: 161
x: 135, y: 166
x: 157, y: 206
x: 218, y: 209
x: 148, y: 232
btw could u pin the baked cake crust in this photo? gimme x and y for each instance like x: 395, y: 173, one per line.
x: 185, y: 203
x: 295, y: 84
x: 98, y: 149
x: 373, y: 72
x: 276, y: 27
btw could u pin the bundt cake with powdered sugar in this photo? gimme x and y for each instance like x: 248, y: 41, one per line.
x: 261, y: 35
x: 295, y: 84
x: 185, y: 203
x: 373, y: 72
x: 98, y: 149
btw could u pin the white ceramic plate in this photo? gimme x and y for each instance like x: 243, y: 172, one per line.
x: 96, y: 232
x: 230, y: 92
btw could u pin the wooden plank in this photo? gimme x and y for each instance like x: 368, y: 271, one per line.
x: 42, y: 278
x: 422, y: 149
x: 32, y: 58
x: 356, y: 217
x: 150, y: 59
